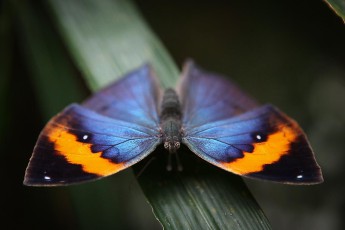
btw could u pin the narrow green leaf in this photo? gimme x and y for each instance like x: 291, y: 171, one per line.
x: 338, y: 6
x: 107, y: 39
x: 200, y: 197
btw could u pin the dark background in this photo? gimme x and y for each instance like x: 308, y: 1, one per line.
x: 288, y: 53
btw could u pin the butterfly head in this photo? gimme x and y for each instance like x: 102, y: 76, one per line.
x: 171, y: 134
x: 172, y: 143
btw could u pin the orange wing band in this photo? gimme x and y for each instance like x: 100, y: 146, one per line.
x: 75, y: 152
x: 268, y: 152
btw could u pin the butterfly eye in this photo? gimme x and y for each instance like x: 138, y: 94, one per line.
x: 177, y: 145
x: 166, y: 145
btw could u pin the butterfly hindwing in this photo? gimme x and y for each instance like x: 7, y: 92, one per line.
x: 263, y: 143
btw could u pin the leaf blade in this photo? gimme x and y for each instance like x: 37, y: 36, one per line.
x: 201, y: 195
x: 114, y: 51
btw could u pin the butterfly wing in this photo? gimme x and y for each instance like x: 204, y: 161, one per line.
x: 114, y: 129
x: 261, y: 143
x: 78, y: 145
x: 208, y: 97
x: 134, y: 98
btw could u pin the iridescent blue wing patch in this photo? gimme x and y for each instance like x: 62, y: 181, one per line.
x: 208, y: 97
x: 134, y: 98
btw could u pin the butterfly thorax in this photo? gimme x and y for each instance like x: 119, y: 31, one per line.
x: 170, y: 120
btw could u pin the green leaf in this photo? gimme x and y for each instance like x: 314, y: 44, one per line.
x: 105, y: 40
x: 199, y: 197
x: 109, y: 38
x: 338, y: 6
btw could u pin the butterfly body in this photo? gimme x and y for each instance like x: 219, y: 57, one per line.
x: 171, y: 121
x: 124, y: 122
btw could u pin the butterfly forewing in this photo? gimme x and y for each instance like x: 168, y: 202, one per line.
x: 81, y: 144
x: 234, y: 134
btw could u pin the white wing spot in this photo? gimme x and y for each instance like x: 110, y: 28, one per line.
x: 85, y: 137
x: 47, y: 177
x: 299, y: 177
x: 258, y: 137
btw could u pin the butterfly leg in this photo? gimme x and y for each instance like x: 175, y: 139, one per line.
x: 169, y: 165
x: 178, y: 162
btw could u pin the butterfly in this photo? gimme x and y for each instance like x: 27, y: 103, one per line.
x: 124, y: 122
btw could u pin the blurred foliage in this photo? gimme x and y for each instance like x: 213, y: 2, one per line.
x: 289, y: 53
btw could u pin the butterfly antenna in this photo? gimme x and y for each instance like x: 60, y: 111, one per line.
x: 178, y: 162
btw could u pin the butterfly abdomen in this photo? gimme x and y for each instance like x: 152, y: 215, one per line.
x: 170, y: 120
